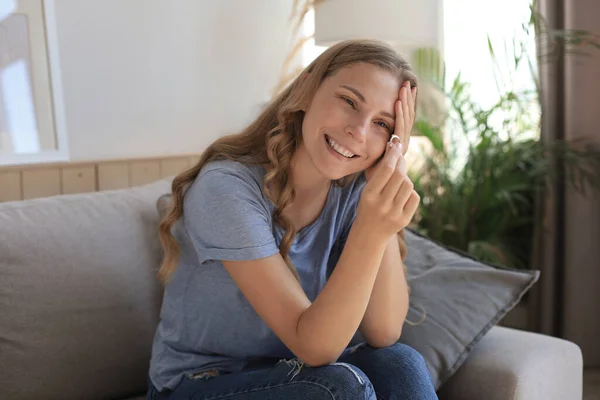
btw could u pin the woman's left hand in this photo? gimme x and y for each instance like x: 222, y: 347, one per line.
x: 405, y: 119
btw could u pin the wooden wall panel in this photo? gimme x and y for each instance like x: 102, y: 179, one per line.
x: 113, y: 176
x: 143, y: 172
x: 79, y: 179
x: 20, y: 182
x: 10, y: 186
x: 173, y: 167
x: 41, y: 183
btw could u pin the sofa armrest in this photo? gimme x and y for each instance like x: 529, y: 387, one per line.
x: 509, y: 364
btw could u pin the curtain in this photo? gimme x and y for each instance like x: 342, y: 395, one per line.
x: 566, y: 301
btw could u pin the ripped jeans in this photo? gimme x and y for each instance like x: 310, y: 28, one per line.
x: 395, y: 372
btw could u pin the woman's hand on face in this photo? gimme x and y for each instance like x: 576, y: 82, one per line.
x: 405, y: 119
x: 406, y: 111
x: 388, y: 201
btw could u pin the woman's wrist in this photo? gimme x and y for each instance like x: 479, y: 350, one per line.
x: 368, y: 235
x: 370, y: 232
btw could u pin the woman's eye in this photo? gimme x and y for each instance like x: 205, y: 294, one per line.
x: 350, y: 102
x: 383, y: 125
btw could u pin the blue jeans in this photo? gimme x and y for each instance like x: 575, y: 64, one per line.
x: 395, y: 372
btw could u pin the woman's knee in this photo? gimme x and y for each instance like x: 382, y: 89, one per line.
x: 345, y: 381
x: 398, y: 356
x: 407, y: 352
x: 406, y: 357
x: 398, y: 370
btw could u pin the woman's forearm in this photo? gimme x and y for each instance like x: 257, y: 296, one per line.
x: 329, y: 324
x: 383, y: 320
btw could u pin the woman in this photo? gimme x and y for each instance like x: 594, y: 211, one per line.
x: 282, y: 269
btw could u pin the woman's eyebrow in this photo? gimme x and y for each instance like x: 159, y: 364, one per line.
x: 356, y: 92
x: 362, y: 98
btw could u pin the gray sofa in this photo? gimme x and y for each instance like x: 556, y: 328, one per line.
x: 79, y: 303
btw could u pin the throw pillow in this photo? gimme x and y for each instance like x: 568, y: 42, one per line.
x: 455, y: 300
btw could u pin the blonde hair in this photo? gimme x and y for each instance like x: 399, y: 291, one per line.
x: 274, y: 136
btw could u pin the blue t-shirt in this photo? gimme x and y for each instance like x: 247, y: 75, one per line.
x: 206, y: 322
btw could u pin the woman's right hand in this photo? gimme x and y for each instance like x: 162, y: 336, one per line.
x: 388, y: 201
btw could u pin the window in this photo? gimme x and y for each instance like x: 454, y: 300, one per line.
x: 27, y: 119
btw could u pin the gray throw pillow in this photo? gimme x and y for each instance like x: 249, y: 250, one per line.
x: 458, y: 300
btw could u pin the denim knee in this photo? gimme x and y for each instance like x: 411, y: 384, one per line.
x: 407, y: 352
x: 346, y: 381
x: 410, y: 358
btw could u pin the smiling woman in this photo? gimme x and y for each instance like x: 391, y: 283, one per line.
x: 292, y: 227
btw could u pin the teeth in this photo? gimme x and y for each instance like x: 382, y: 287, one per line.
x: 339, y: 148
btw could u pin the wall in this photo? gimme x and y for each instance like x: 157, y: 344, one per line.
x: 144, y: 78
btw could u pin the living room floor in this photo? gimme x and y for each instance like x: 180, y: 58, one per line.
x: 591, y: 384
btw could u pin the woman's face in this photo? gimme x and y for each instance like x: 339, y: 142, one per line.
x: 352, y: 112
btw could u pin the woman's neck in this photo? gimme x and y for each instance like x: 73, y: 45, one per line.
x: 307, y: 180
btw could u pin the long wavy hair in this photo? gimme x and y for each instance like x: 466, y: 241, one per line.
x: 272, y: 139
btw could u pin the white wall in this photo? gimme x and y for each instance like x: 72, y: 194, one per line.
x: 153, y: 77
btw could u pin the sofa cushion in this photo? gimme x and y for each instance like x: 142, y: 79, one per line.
x: 519, y: 365
x: 455, y: 300
x: 79, y: 299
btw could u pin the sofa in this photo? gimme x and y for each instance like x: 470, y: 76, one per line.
x: 79, y: 304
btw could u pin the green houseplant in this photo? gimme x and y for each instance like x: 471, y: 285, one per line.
x: 479, y: 187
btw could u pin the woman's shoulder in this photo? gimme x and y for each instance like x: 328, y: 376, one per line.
x: 225, y: 167
x: 231, y: 172
x: 228, y: 178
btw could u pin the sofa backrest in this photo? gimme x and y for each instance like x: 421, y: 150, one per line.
x: 79, y: 298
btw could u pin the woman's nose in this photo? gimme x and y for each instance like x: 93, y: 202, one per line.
x: 358, y: 129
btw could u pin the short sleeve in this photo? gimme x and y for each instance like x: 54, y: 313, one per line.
x: 226, y: 217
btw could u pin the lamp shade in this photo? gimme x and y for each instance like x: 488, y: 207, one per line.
x: 408, y: 23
